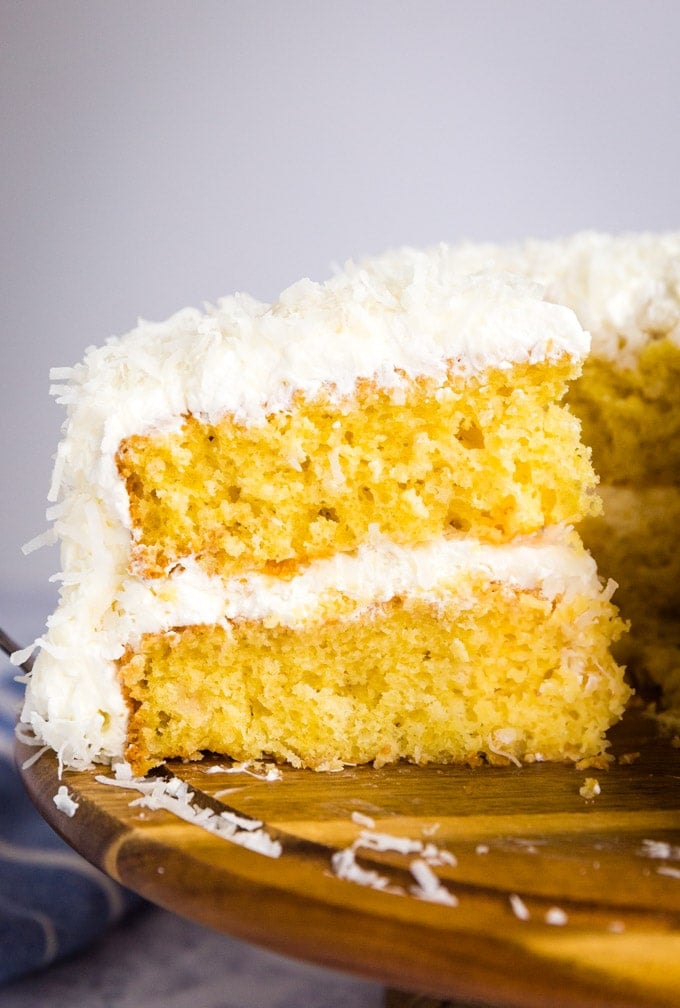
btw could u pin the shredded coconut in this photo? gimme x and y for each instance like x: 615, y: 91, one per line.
x: 18, y: 658
x: 65, y: 803
x: 667, y: 870
x: 428, y: 887
x: 499, y: 742
x: 386, y: 842
x: 344, y: 864
x: 175, y: 796
x: 625, y: 288
x: 363, y: 820
x: 519, y: 907
x: 34, y: 758
x: 659, y: 849
x: 261, y: 771
x: 47, y: 538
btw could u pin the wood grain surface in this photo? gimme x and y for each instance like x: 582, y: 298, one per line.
x: 556, y: 898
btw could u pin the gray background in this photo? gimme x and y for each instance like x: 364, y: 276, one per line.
x: 158, y: 154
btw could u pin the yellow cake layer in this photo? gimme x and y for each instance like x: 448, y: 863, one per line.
x: 485, y: 456
x: 635, y: 542
x: 631, y: 416
x: 631, y: 419
x: 508, y: 675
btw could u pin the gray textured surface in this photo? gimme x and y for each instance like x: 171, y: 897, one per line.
x: 158, y: 960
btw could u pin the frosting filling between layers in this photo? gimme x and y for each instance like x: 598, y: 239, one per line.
x: 548, y: 562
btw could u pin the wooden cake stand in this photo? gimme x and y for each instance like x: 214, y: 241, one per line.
x: 553, y: 897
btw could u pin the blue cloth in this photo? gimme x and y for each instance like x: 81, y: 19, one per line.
x: 52, y: 902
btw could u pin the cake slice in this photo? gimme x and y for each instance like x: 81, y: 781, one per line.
x: 332, y: 530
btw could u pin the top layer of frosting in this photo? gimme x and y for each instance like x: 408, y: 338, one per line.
x: 414, y: 317
x: 625, y: 289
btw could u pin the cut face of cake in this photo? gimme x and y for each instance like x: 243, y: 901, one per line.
x: 625, y: 291
x: 332, y: 530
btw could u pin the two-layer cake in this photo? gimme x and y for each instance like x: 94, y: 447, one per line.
x: 336, y: 529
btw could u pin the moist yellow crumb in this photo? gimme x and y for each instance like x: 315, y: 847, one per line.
x: 590, y: 788
x: 485, y: 456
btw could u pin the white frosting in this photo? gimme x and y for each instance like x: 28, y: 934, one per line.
x: 624, y: 289
x: 74, y: 702
x: 376, y: 573
x: 418, y: 317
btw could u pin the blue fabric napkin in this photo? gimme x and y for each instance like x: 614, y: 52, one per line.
x: 52, y: 902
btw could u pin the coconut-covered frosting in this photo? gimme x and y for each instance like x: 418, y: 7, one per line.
x: 419, y: 317
x: 74, y: 702
x: 625, y: 289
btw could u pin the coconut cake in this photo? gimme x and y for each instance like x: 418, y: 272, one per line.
x: 334, y: 529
